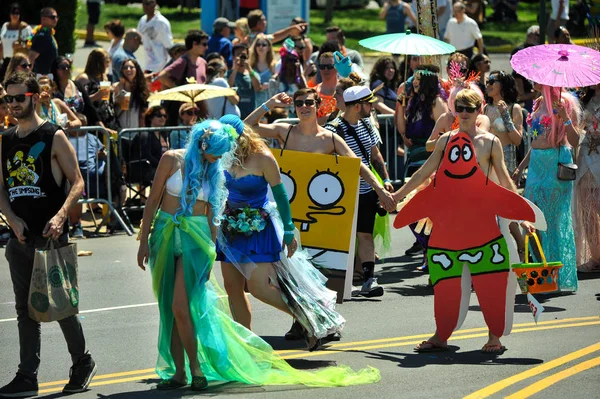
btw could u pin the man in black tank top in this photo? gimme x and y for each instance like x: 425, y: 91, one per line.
x: 37, y: 159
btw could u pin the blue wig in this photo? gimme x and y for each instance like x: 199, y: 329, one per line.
x: 214, y: 138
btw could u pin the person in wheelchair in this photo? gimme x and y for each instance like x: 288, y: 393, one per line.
x: 91, y: 156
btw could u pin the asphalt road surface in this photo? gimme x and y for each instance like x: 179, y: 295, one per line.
x: 553, y: 359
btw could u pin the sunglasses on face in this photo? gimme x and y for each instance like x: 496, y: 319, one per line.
x: 323, y: 67
x: 18, y: 98
x: 302, y: 103
x: 190, y: 112
x: 53, y: 17
x: 491, y: 81
x: 63, y: 67
x: 262, y: 44
x: 128, y: 67
x: 15, y: 12
x: 205, y: 44
x: 463, y: 108
x: 45, y: 87
x: 25, y: 65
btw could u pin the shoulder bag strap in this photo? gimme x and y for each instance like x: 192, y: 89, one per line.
x: 287, y: 136
x: 441, y: 158
x: 353, y: 134
x: 487, y: 178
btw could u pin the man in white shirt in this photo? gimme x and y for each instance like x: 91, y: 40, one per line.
x: 558, y: 17
x: 156, y: 36
x: 462, y: 31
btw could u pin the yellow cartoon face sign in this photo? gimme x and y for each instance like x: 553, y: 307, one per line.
x: 322, y: 190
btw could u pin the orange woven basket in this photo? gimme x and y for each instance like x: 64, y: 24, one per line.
x: 537, y: 277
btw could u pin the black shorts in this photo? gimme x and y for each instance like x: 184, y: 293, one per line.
x: 93, y: 10
x: 367, y: 210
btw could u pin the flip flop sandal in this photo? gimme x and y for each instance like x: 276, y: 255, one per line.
x: 433, y: 347
x: 199, y: 383
x: 169, y: 384
x: 493, y: 349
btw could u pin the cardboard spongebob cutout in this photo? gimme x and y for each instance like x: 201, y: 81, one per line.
x: 323, y: 194
x: 466, y: 243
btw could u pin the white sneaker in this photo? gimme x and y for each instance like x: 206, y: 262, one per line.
x: 355, y: 291
x: 371, y: 289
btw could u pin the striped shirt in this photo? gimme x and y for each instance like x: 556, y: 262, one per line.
x: 367, y: 136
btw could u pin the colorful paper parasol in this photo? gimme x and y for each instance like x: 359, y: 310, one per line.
x: 407, y: 43
x: 558, y: 65
x: 192, y: 93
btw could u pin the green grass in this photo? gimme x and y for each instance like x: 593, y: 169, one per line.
x: 358, y: 24
x: 181, y: 23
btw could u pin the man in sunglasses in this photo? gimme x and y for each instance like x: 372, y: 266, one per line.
x: 488, y: 155
x: 37, y: 162
x: 309, y: 136
x: 190, y: 65
x: 156, y: 35
x: 356, y: 130
x: 44, y: 48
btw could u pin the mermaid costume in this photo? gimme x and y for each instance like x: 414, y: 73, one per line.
x: 553, y: 197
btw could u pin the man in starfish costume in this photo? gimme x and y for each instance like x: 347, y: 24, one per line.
x: 466, y: 244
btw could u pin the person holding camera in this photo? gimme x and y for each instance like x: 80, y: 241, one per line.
x: 356, y: 130
x: 245, y: 79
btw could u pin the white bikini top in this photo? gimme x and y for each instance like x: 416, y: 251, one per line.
x: 175, y: 185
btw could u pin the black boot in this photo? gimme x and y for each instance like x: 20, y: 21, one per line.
x: 296, y: 332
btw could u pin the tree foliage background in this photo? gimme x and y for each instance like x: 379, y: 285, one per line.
x: 30, y: 13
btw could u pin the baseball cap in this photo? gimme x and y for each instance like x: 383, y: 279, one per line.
x: 221, y: 23
x: 358, y: 94
x: 534, y: 29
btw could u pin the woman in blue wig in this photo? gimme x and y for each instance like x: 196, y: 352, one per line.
x: 177, y: 243
x: 251, y: 241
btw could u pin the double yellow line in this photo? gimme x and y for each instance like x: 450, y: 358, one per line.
x: 545, y: 382
x: 136, y: 375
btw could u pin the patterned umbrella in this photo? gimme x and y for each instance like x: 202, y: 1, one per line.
x: 192, y: 93
x: 558, y: 65
x: 407, y: 43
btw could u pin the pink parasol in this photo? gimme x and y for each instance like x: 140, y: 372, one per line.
x: 558, y: 65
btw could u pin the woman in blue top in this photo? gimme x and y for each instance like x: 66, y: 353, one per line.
x: 252, y: 237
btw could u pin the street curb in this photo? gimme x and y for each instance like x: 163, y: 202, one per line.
x: 502, y: 49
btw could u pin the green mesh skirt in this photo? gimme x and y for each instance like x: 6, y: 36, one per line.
x: 227, y: 351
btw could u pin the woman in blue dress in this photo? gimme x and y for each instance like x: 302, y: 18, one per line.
x: 553, y: 126
x: 252, y: 236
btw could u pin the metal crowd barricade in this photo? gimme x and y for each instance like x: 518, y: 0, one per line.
x: 139, y: 173
x: 102, y: 183
x: 389, y: 137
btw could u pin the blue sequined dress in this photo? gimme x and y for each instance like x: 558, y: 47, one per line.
x: 553, y: 197
x: 302, y: 286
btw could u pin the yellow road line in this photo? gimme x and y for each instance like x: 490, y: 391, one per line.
x: 363, y: 345
x: 459, y: 332
x: 109, y: 382
x: 101, y: 377
x: 500, y: 385
x: 408, y: 343
x: 553, y: 379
